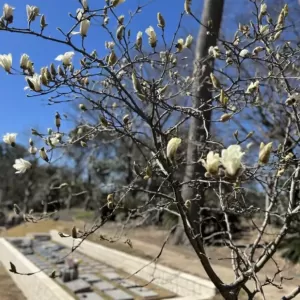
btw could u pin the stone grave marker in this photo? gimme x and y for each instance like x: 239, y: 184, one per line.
x: 111, y: 275
x: 90, y: 278
x: 103, y: 286
x: 119, y: 295
x: 143, y: 292
x: 89, y: 296
x: 78, y: 286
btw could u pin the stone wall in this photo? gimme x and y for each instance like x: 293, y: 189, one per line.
x: 35, y: 287
x: 181, y: 283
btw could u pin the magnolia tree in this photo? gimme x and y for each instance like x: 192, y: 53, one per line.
x: 153, y: 112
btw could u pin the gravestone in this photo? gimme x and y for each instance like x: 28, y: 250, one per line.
x: 103, y: 286
x: 111, y: 275
x: 143, y: 292
x: 89, y: 296
x: 90, y: 278
x: 78, y: 286
x: 127, y: 283
x: 119, y: 295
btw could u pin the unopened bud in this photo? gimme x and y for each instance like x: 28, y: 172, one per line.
x: 82, y: 107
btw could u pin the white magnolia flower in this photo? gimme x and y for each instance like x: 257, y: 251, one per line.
x: 24, y: 61
x: 188, y: 41
x: 152, y: 36
x: 139, y: 40
x: 231, y: 159
x: 79, y: 14
x: 32, y: 150
x: 253, y: 87
x: 21, y: 165
x: 54, y: 141
x: 10, y: 138
x: 84, y: 27
x: 32, y: 12
x: 65, y: 58
x: 34, y: 83
x: 212, y: 162
x: 6, y: 62
x: 8, y: 13
x: 265, y: 152
x: 85, y: 4
x: 172, y: 147
x: 244, y: 53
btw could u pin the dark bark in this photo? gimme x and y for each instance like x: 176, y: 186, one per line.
x: 212, y: 13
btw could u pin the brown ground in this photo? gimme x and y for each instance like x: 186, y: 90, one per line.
x: 8, y: 289
x: 147, y: 243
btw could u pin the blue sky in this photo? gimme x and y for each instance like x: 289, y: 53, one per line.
x: 19, y: 113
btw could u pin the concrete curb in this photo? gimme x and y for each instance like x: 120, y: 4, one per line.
x: 188, y: 286
x: 34, y: 287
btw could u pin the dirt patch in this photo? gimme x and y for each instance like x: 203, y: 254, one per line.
x: 8, y: 289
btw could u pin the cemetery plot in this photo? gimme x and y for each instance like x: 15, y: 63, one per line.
x: 83, y: 277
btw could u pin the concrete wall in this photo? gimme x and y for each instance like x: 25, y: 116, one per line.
x: 178, y: 282
x: 35, y: 287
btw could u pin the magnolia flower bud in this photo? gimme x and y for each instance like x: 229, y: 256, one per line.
x: 8, y: 13
x: 172, y: 148
x: 103, y: 121
x: 136, y: 84
x: 82, y: 107
x: 225, y: 117
x: 74, y: 232
x: 265, y: 152
x: 187, y: 6
x: 115, y: 3
x: 121, y: 19
x: 148, y: 172
x: 179, y: 45
x: 223, y: 98
x: 83, y: 144
x: 120, y: 32
x: 60, y: 71
x: 139, y: 41
x: 110, y: 198
x: 151, y: 36
x: 215, y: 82
x: 258, y: 49
x: 43, y: 23
x: 161, y: 21
x: 17, y: 209
x: 236, y: 134
x: 250, y: 134
x: 263, y: 9
x: 188, y: 41
x: 6, y: 62
x: 24, y: 61
x: 32, y: 12
x: 110, y: 205
x: 112, y: 59
x: 57, y: 120
x: 31, y: 142
x: 32, y: 150
x: 188, y: 204
x: 126, y: 119
x: 43, y: 154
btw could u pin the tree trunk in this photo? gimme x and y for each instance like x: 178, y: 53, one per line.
x: 212, y: 14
